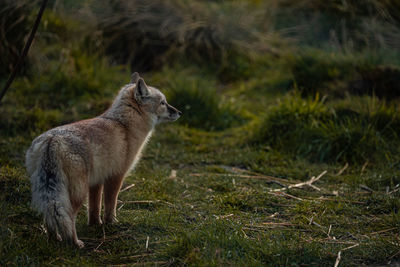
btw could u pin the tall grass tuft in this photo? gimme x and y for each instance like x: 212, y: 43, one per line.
x: 314, y: 70
x: 338, y: 74
x: 308, y: 128
x: 77, y: 87
x: 148, y: 34
x: 348, y: 25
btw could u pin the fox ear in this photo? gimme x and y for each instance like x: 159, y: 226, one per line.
x: 141, y: 90
x: 135, y: 77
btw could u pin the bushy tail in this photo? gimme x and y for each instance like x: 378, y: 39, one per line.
x: 49, y: 191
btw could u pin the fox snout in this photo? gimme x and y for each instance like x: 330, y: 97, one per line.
x: 174, y: 113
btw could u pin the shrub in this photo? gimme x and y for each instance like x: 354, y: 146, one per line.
x: 17, y: 120
x: 338, y: 74
x: 381, y: 81
x: 77, y: 78
x: 15, y: 24
x: 345, y: 25
x: 314, y: 70
x: 307, y: 128
x: 80, y: 86
x: 148, y: 34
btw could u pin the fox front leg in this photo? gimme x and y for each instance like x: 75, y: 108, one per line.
x: 111, y: 190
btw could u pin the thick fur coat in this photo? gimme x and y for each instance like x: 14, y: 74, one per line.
x: 79, y: 161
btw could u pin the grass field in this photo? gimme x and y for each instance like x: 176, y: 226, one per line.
x: 287, y: 154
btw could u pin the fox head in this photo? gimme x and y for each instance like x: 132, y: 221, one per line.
x: 152, y: 102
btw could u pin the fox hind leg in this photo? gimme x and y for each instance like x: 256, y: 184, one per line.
x: 95, y: 204
x: 75, y: 239
x: 53, y: 235
x: 76, y: 203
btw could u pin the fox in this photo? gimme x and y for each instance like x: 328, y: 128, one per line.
x: 88, y: 159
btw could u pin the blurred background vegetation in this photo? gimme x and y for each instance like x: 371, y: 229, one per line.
x: 279, y: 87
x: 333, y: 66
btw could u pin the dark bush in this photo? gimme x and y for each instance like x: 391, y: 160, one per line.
x: 15, y: 25
x: 350, y: 24
x: 148, y: 34
x: 381, y: 81
x: 313, y: 71
x: 339, y: 74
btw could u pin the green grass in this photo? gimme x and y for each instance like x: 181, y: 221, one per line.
x: 216, y: 211
x: 340, y: 133
x: 337, y: 74
x: 257, y: 116
x: 216, y: 217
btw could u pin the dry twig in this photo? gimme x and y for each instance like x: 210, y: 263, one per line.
x: 127, y: 188
x: 24, y: 50
x: 285, y: 195
x: 278, y: 224
x: 339, y: 256
x: 150, y: 263
x: 343, y: 169
x: 396, y: 188
x: 334, y: 200
x: 366, y: 188
x: 334, y: 241
x: 147, y: 202
x: 269, y: 225
x: 383, y: 231
x: 308, y: 183
x: 394, y: 255
x: 364, y: 167
x: 223, y: 216
x: 262, y: 177
x: 137, y: 256
x: 173, y: 174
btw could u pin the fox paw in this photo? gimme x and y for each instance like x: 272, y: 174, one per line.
x: 79, y: 243
x: 58, y: 236
x: 95, y: 221
x: 111, y: 220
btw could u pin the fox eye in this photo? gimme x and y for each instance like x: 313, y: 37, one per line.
x: 162, y: 103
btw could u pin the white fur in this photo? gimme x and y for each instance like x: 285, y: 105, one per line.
x: 139, y: 153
